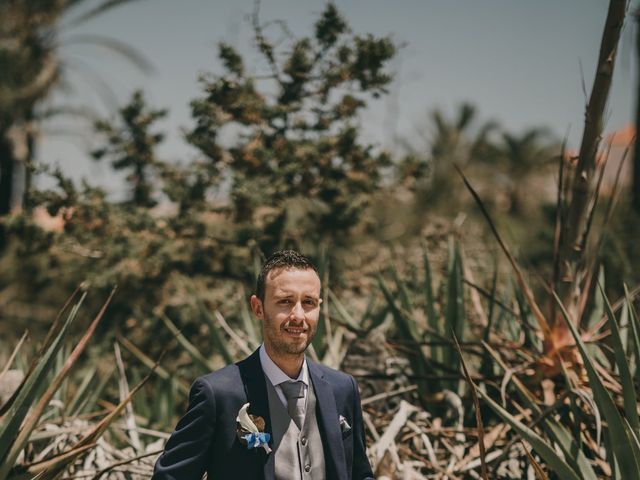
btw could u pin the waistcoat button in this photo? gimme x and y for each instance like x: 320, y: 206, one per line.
x: 307, y: 468
x: 303, y: 441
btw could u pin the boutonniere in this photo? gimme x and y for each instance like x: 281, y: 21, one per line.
x: 251, y: 430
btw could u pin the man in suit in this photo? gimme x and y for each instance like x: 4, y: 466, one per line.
x: 311, y: 412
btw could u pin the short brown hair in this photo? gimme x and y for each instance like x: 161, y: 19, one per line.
x: 284, y: 259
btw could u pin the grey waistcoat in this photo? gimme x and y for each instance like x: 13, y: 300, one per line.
x: 297, y: 455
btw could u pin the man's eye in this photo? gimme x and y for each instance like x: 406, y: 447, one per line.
x: 285, y: 302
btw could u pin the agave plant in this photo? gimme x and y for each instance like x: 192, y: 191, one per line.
x: 552, y: 433
x: 22, y: 414
x: 432, y: 357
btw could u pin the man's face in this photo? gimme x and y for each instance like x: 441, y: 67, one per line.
x: 290, y: 310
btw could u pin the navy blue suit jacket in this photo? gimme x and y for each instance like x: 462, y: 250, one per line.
x: 205, y: 438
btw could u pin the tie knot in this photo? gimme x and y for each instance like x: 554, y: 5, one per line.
x: 292, y: 389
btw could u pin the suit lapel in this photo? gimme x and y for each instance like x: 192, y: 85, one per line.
x: 329, y: 421
x: 256, y: 390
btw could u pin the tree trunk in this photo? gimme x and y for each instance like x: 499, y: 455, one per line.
x: 16, y: 152
x: 7, y: 164
x: 29, y: 166
x: 575, y: 232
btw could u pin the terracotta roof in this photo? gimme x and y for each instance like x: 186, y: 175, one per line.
x: 621, y: 137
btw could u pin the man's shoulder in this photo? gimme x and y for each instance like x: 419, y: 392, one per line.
x: 222, y: 381
x: 335, y: 377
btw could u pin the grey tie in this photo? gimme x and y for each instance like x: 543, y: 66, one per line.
x: 293, y: 391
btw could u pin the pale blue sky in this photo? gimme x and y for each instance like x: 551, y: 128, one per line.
x: 517, y: 61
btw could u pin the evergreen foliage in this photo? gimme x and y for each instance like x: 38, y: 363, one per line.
x: 131, y: 147
x: 297, y: 140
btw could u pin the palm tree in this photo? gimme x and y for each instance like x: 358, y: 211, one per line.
x: 31, y: 66
x: 524, y: 155
x: 459, y: 140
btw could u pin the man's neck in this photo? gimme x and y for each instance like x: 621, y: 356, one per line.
x: 288, y: 363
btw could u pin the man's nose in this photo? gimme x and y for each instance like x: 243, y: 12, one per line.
x: 298, y: 312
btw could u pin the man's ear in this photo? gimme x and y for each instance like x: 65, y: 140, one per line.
x: 256, y: 307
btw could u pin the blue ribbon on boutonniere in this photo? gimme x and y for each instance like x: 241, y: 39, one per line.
x: 249, y: 431
x: 254, y: 440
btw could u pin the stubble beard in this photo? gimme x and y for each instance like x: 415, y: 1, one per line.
x: 275, y: 334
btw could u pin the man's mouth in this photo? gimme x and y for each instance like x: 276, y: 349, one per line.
x: 295, y: 331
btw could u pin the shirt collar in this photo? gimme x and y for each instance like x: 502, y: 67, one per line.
x: 275, y: 375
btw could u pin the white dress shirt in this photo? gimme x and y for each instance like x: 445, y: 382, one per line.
x: 276, y: 376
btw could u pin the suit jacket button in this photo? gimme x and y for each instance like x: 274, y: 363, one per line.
x: 303, y: 441
x: 307, y: 468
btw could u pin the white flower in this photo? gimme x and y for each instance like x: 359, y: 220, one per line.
x: 245, y: 421
x: 255, y: 438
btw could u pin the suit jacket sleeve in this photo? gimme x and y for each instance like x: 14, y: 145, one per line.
x: 361, y: 467
x: 185, y: 454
